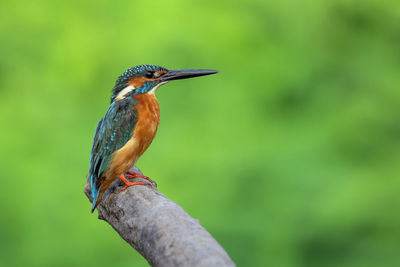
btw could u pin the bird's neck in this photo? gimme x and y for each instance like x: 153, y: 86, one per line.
x: 147, y: 106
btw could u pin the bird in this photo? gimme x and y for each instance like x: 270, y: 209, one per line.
x: 129, y: 125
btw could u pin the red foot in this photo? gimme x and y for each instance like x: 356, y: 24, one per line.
x: 128, y: 184
x: 135, y: 174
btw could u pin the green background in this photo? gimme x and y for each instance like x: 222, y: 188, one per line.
x: 289, y: 156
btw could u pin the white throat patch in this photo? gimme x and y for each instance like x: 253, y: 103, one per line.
x: 154, y: 89
x: 122, y: 94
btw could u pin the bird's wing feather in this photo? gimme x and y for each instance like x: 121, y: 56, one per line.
x: 112, y: 133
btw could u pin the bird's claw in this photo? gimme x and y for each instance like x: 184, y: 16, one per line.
x: 132, y: 184
x: 131, y: 175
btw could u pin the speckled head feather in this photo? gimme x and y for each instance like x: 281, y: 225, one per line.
x: 138, y: 71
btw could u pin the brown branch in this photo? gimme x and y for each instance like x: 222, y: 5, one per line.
x: 158, y: 228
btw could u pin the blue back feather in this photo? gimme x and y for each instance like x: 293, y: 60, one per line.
x: 113, y: 131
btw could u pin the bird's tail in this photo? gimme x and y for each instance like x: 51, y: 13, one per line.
x: 95, y: 195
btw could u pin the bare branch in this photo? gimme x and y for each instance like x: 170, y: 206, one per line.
x: 158, y: 228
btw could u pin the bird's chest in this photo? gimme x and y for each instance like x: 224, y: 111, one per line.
x: 148, y: 119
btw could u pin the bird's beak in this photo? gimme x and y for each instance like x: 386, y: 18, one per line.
x: 183, y: 74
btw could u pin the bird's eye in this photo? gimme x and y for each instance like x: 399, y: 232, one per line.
x: 149, y: 74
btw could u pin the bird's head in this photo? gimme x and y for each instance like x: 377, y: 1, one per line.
x: 145, y: 79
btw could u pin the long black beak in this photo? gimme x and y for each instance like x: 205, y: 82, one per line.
x: 183, y: 74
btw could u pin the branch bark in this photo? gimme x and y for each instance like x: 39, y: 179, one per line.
x: 158, y: 228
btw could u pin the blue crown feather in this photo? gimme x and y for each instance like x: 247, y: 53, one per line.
x: 122, y: 80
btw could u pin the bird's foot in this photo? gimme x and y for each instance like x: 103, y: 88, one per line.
x: 127, y: 183
x: 135, y: 174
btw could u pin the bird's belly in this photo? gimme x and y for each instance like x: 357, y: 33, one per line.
x: 146, y: 127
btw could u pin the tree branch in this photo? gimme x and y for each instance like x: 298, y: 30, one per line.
x: 158, y: 228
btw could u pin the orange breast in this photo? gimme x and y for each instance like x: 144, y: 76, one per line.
x: 148, y: 118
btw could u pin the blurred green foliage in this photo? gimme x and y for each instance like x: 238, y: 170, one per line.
x: 289, y: 156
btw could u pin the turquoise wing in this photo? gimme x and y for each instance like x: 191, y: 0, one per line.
x: 113, y: 131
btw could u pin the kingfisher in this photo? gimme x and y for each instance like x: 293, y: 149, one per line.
x: 129, y: 125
